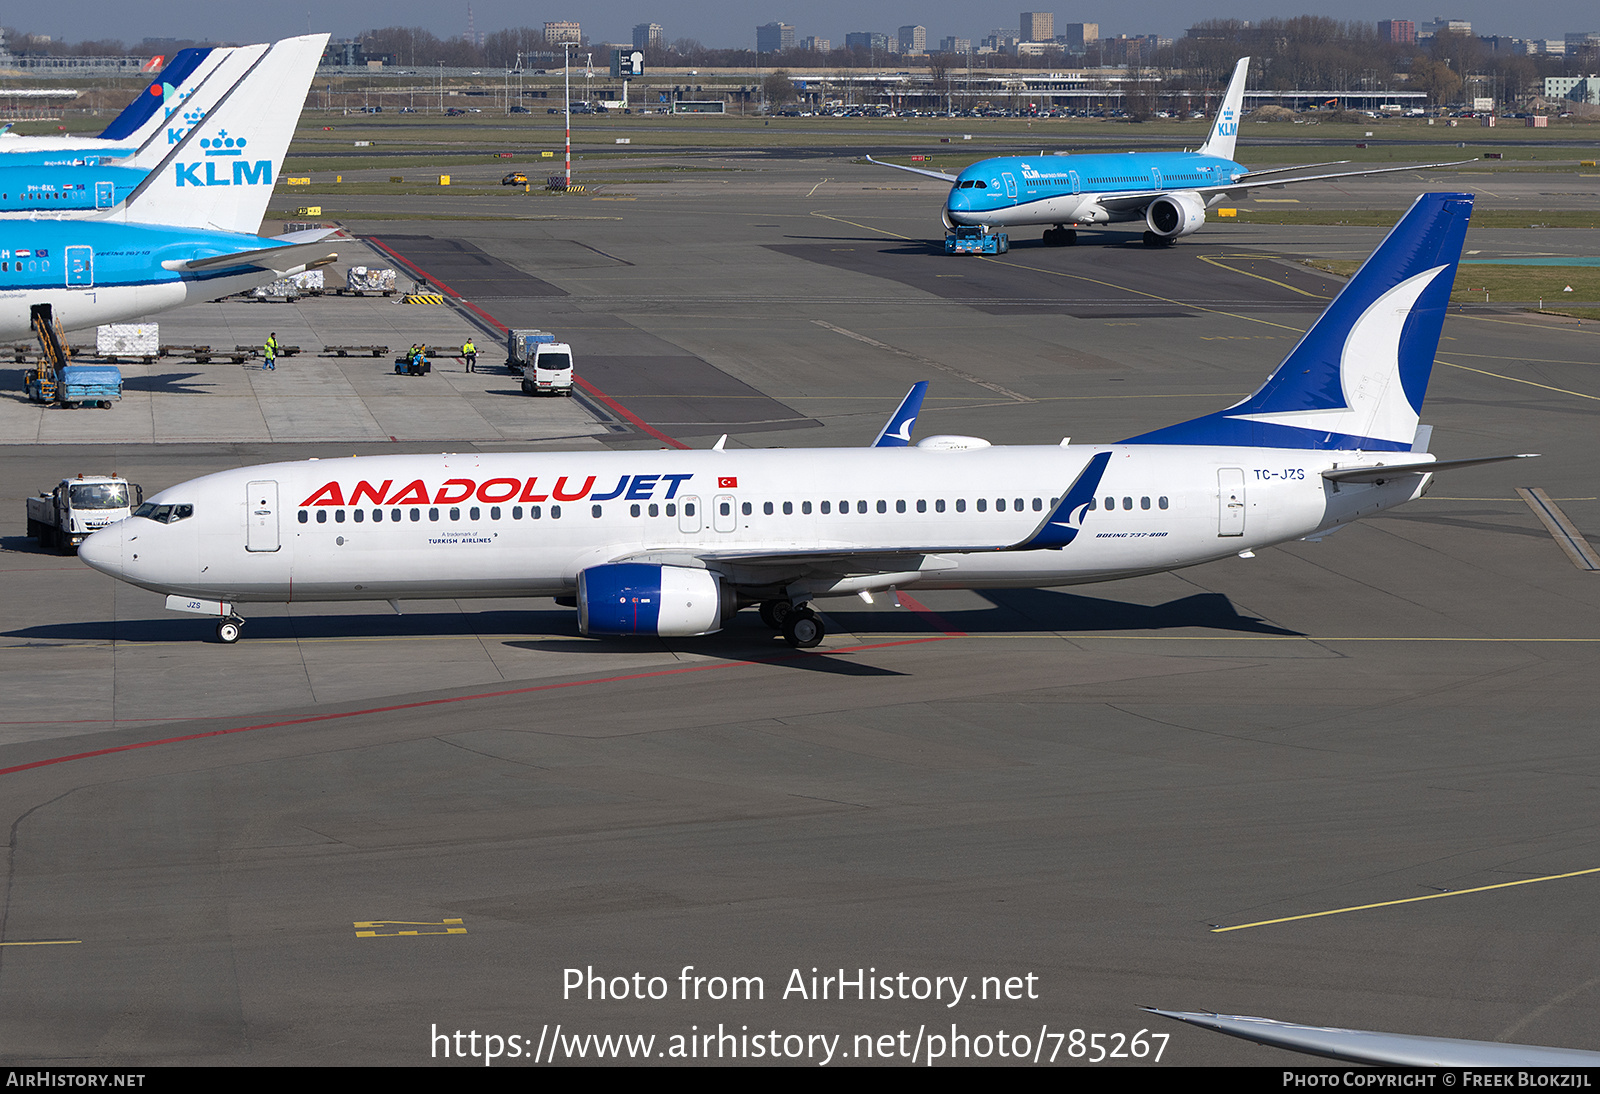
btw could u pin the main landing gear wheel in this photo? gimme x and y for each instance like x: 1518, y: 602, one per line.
x: 228, y: 631
x: 1060, y: 237
x: 803, y: 630
x: 1153, y: 240
x: 774, y: 612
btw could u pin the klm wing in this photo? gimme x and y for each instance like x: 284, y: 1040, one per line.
x: 916, y: 170
x: 1135, y: 201
x: 1256, y: 180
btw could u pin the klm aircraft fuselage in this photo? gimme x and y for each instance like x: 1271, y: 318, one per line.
x: 1066, y: 189
x: 39, y: 188
x: 93, y: 273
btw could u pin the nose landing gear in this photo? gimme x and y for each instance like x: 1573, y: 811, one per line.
x: 228, y: 630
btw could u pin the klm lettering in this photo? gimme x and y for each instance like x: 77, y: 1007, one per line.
x: 245, y: 173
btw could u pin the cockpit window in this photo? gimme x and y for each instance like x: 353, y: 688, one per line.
x: 166, y: 514
x: 100, y: 495
x: 980, y: 185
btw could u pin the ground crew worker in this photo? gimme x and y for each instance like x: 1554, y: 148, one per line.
x: 269, y: 349
x: 470, y: 352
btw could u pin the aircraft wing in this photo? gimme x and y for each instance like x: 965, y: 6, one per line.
x: 1384, y: 472
x: 1369, y: 1047
x: 836, y: 560
x: 302, y: 248
x: 1130, y: 201
x: 1133, y: 201
x: 1057, y: 529
x: 915, y: 170
x: 1253, y: 179
x: 1292, y: 167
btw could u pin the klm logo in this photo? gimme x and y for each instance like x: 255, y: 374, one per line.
x: 224, y: 148
x: 1227, y: 126
x: 189, y: 118
x: 245, y: 173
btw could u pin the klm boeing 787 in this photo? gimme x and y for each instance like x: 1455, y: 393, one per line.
x: 1169, y: 191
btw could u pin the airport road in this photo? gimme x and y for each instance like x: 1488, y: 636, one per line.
x: 1079, y: 785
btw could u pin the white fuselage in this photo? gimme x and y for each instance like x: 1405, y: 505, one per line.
x: 814, y: 523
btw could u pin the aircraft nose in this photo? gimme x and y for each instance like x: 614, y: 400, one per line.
x: 103, y: 550
x: 959, y: 208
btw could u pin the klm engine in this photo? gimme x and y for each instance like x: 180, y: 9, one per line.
x: 1172, y: 216
x: 639, y: 598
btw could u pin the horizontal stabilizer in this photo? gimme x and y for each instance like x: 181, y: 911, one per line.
x: 294, y: 249
x: 1385, y: 472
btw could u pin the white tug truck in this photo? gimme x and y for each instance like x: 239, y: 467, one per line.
x: 62, y: 518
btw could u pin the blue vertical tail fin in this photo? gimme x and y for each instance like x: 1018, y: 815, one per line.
x: 164, y: 95
x: 1357, y: 378
x: 896, y: 432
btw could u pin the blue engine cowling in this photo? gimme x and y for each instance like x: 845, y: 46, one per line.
x: 640, y: 598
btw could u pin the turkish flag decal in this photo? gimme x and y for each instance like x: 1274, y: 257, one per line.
x: 728, y: 482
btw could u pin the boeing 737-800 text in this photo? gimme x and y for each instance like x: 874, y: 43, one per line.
x: 673, y: 542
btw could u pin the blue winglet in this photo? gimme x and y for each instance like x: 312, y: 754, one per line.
x: 136, y: 113
x: 896, y: 432
x: 1062, y: 526
x: 1358, y: 376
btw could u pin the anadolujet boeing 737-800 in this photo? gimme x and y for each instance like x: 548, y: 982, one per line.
x: 672, y: 543
x: 1169, y: 191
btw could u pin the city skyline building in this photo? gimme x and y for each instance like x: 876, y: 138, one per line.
x: 774, y: 37
x: 563, y: 31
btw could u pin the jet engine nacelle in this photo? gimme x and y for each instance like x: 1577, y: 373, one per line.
x: 1172, y: 216
x: 641, y: 598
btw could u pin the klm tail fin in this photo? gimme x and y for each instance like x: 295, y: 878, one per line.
x: 165, y: 95
x: 896, y: 432
x: 1225, y: 129
x: 220, y: 174
x: 1358, y: 376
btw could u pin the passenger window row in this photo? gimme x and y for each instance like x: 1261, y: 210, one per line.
x: 1127, y: 503
x: 534, y: 512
